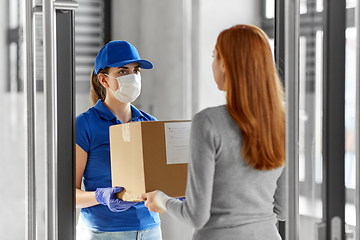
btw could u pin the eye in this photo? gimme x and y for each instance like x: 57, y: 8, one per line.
x: 137, y: 70
x: 123, y: 72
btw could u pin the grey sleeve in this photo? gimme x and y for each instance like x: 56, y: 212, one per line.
x: 279, y: 203
x: 195, y: 209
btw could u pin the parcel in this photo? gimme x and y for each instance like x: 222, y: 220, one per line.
x: 148, y: 156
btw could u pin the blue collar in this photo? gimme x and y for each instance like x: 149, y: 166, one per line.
x: 104, y: 112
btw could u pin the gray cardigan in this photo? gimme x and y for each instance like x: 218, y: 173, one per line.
x: 226, y: 198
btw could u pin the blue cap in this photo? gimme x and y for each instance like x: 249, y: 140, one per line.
x: 117, y: 54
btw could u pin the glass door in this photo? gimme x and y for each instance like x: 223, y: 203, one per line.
x: 49, y: 117
x: 315, y: 44
x: 36, y: 147
x: 320, y: 85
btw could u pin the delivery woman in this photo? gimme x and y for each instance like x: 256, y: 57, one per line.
x: 115, y: 83
x: 235, y: 186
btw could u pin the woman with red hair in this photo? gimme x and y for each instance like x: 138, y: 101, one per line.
x: 235, y: 187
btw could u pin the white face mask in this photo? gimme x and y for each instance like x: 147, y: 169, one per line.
x: 129, y: 88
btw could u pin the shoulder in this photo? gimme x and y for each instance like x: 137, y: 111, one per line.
x: 208, y: 119
x: 216, y: 120
x: 147, y: 116
x: 142, y: 115
x: 86, y: 118
x: 86, y: 114
x: 211, y: 114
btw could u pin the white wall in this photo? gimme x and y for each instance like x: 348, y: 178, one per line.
x: 215, y: 16
x: 155, y: 28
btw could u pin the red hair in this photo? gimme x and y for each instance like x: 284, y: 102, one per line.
x: 254, y: 95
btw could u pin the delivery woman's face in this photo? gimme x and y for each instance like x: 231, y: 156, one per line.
x: 218, y: 70
x: 131, y: 68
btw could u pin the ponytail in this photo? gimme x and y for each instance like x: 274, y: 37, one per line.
x: 97, y: 91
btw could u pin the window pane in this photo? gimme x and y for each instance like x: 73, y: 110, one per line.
x: 270, y: 8
x: 350, y: 3
x: 303, y: 6
x: 319, y: 5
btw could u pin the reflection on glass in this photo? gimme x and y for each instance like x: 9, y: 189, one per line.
x: 310, y: 134
x: 350, y: 101
x: 318, y: 106
x: 350, y: 116
x: 302, y: 107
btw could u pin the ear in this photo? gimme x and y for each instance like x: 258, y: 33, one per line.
x: 102, y: 80
x: 222, y: 67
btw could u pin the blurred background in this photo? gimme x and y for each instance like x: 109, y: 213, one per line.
x: 178, y: 37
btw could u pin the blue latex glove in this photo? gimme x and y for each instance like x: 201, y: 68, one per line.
x: 106, y: 196
x: 181, y: 198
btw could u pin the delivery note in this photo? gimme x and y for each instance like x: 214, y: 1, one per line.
x: 177, y: 140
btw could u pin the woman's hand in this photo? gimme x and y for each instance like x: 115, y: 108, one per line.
x: 106, y: 196
x: 150, y: 201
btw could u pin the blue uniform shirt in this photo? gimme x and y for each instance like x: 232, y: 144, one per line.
x: 92, y: 135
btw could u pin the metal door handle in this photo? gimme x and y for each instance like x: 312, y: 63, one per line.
x: 30, y: 210
x: 66, y: 5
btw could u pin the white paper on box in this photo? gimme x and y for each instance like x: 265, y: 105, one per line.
x: 177, y: 140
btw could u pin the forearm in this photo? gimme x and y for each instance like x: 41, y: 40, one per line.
x: 161, y: 199
x: 85, y: 199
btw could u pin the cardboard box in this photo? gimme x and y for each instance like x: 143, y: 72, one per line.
x: 148, y: 156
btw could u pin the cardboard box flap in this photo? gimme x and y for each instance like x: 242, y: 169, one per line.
x: 126, y: 145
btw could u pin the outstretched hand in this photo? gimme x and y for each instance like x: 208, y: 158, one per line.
x: 106, y: 196
x: 150, y: 203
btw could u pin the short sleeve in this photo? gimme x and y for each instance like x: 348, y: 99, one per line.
x: 83, y: 133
